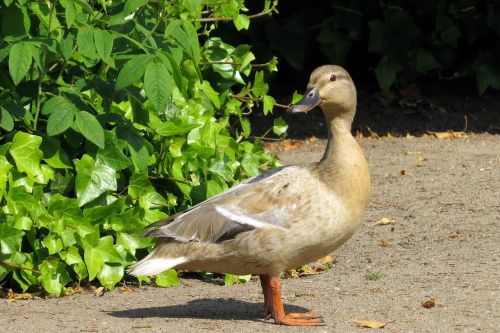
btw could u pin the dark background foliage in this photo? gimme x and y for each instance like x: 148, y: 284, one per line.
x: 392, y: 42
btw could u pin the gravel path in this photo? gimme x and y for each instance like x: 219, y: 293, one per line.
x: 444, y: 198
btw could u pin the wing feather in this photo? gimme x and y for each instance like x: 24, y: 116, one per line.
x: 265, y: 201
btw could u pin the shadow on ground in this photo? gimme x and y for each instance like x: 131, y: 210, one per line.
x: 205, y: 308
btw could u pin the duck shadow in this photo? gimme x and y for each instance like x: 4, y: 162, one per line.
x: 205, y: 308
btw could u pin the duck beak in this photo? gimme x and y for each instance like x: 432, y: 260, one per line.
x: 310, y: 100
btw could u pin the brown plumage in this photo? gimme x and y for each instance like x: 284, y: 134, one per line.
x: 281, y: 219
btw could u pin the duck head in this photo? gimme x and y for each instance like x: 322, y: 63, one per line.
x: 331, y: 88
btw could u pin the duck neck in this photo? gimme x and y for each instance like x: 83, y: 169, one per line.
x: 343, y: 165
x: 339, y: 135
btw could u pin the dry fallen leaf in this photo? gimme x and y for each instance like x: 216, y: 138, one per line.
x: 75, y: 289
x: 385, y: 221
x: 304, y: 293
x: 430, y: 303
x: 125, y: 290
x: 383, y: 243
x: 369, y: 323
x: 12, y: 296
x: 447, y: 134
x: 99, y: 292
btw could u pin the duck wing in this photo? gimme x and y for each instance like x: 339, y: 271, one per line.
x: 265, y: 201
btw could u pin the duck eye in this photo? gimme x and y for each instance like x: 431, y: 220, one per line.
x: 333, y: 77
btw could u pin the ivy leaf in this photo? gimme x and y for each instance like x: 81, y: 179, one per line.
x: 90, y: 128
x: 10, y: 240
x: 54, y: 275
x: 97, y: 251
x: 167, y: 278
x: 19, y: 61
x: 131, y: 242
x: 279, y: 126
x: 385, y: 73
x: 132, y: 71
x: 73, y: 258
x: 110, y: 275
x: 269, y: 103
x: 5, y: 166
x: 112, y: 155
x: 230, y: 279
x: 27, y: 155
x: 93, y: 179
x: 158, y: 85
x: 241, y: 21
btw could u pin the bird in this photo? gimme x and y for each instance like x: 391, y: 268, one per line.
x: 281, y: 219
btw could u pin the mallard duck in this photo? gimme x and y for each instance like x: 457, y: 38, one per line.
x: 281, y: 219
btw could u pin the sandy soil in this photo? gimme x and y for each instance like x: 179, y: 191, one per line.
x: 444, y: 196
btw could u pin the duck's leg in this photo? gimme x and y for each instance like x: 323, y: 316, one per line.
x: 266, y: 290
x: 271, y: 286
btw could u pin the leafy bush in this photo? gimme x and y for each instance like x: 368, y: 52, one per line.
x: 114, y: 114
x: 399, y: 40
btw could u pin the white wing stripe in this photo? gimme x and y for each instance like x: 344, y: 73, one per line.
x: 237, y: 216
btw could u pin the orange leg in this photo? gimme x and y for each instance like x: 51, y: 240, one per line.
x: 271, y: 286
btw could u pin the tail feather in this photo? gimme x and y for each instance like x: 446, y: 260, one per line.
x: 153, y: 264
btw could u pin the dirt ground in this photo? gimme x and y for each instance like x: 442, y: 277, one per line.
x: 444, y: 198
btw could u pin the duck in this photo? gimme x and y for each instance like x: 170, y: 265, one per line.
x: 281, y: 219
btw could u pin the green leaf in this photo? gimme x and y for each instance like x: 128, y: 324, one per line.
x: 140, y: 188
x: 57, y: 103
x: 279, y: 126
x: 230, y: 279
x: 103, y: 43
x: 158, y: 85
x: 132, y: 71
x: 425, y: 61
x: 132, y: 242
x: 386, y: 74
x: 97, y: 251
x: 53, y: 243
x: 60, y: 120
x: 6, y: 120
x: 170, y: 128
x: 19, y: 61
x: 90, y: 128
x: 112, y: 155
x: 260, y: 88
x: 213, y: 188
x: 54, y: 155
x: 93, y: 179
x: 53, y: 275
x: 269, y: 103
x: 133, y: 6
x: 70, y: 11
x: 10, y: 240
x: 73, y: 258
x: 15, y: 21
x: 241, y: 21
x: 27, y: 155
x: 110, y: 275
x: 5, y: 166
x: 167, y: 278
x: 86, y: 44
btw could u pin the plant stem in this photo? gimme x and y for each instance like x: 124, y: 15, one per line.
x: 248, y: 98
x: 6, y: 264
x: 227, y: 18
